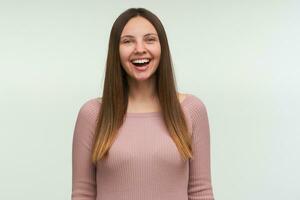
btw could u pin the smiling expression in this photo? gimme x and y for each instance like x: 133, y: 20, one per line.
x: 139, y: 43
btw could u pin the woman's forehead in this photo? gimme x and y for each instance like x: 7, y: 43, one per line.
x: 138, y: 26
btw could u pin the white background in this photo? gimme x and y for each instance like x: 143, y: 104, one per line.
x: 240, y: 57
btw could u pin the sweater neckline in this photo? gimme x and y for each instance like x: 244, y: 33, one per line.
x: 156, y: 113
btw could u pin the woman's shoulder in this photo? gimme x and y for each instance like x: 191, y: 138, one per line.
x: 190, y: 102
x: 193, y: 101
x: 91, y: 102
x: 90, y: 107
x: 194, y: 105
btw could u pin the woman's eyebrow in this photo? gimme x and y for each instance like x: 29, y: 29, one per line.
x: 150, y: 34
x: 131, y: 36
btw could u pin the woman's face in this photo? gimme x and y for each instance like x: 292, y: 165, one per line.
x: 139, y: 48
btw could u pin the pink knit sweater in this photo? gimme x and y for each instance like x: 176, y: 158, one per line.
x: 143, y: 162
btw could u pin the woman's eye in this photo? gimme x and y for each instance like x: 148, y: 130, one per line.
x: 126, y: 41
x: 151, y: 39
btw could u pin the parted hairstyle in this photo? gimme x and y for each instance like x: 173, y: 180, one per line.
x: 114, y: 99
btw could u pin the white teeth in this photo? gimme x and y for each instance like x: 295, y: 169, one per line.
x: 141, y: 61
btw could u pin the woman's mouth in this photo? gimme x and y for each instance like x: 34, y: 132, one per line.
x: 141, y: 64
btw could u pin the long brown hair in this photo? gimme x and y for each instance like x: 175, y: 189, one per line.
x: 115, y: 91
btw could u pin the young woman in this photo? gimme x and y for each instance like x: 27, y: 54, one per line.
x: 142, y: 140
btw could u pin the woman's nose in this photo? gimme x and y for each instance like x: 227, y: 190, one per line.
x: 140, y: 47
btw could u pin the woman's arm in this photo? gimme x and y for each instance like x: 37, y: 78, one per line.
x: 83, y: 172
x: 200, y: 187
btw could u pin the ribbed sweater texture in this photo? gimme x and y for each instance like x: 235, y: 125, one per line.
x: 143, y: 163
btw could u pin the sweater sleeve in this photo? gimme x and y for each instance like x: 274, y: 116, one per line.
x: 199, y: 186
x: 83, y: 171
